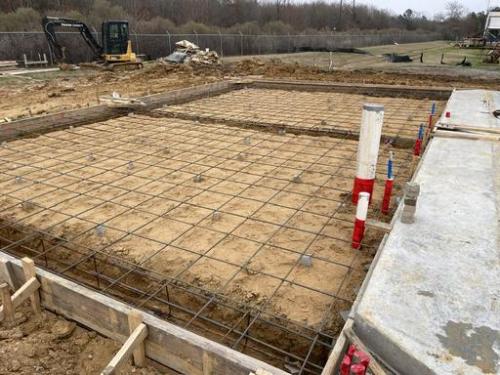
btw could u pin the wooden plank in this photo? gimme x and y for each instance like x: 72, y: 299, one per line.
x: 134, y: 321
x: 22, y: 294
x: 167, y: 344
x: 28, y: 288
x: 463, y: 135
x: 379, y: 225
x: 187, y: 94
x: 29, y: 272
x: 435, y: 93
x: 6, y: 273
x: 208, y: 367
x: 7, y: 305
x: 135, y: 340
x: 336, y: 354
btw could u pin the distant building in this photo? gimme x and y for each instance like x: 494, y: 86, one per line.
x: 492, y: 27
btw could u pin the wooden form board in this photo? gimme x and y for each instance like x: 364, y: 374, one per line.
x: 187, y: 94
x: 171, y: 346
x: 435, y: 93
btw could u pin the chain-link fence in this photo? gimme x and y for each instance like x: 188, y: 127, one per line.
x: 14, y: 44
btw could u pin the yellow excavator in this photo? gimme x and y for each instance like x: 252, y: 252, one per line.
x: 115, y: 51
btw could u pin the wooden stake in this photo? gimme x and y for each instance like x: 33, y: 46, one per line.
x: 338, y: 350
x: 207, y: 364
x: 29, y: 272
x: 379, y: 225
x: 6, y: 273
x: 135, y: 340
x: 21, y: 294
x: 134, y: 321
x: 7, y: 306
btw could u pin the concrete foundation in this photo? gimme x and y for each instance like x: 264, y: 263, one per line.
x: 431, y: 306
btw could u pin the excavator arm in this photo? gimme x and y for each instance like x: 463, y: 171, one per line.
x: 56, y: 50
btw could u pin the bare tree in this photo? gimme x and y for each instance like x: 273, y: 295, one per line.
x: 455, y: 10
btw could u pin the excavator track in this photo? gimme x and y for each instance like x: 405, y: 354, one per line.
x: 126, y: 66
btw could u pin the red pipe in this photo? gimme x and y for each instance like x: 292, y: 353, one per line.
x: 386, y: 202
x: 362, y: 185
x: 358, y: 234
x: 345, y: 366
x: 418, y: 147
x: 360, y: 218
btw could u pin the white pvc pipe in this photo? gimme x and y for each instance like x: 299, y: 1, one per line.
x: 369, y: 140
x: 368, y: 148
x: 362, y: 208
x: 359, y: 222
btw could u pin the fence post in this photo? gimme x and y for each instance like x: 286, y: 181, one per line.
x: 221, y: 49
x: 241, y: 43
x: 169, y: 43
x: 136, y: 42
x: 197, y: 39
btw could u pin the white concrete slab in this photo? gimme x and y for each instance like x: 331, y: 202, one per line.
x: 471, y: 109
x: 433, y: 302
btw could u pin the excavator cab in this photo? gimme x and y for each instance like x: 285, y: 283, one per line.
x: 115, y: 37
x: 116, y: 44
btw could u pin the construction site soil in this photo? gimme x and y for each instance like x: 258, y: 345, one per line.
x: 53, y: 92
x: 51, y: 345
x: 217, y: 228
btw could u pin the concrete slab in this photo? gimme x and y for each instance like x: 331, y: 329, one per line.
x: 433, y: 303
x: 471, y: 109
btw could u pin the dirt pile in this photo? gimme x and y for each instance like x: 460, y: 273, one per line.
x: 276, y: 68
x: 53, y: 345
x: 273, y: 67
x: 62, y: 91
x: 165, y: 69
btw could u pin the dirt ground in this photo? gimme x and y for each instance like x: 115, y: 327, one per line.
x: 52, y: 345
x: 231, y: 210
x: 36, y: 94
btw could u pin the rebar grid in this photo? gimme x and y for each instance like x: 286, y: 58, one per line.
x: 158, y: 188
x: 302, y: 110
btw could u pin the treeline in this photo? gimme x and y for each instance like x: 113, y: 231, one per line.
x: 235, y: 16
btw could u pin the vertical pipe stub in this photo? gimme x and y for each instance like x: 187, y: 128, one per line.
x: 368, y: 147
x: 389, y: 182
x: 360, y: 220
x: 417, y: 149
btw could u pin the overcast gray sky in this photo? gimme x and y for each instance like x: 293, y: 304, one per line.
x: 429, y: 7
